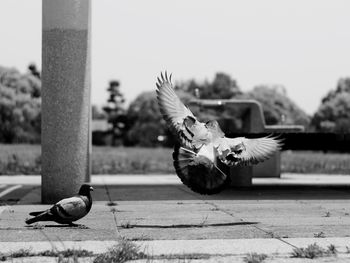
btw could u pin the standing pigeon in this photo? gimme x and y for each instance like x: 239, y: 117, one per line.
x: 67, y: 210
x: 203, y: 147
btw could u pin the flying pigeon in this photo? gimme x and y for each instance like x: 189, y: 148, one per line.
x: 203, y: 151
x: 67, y: 210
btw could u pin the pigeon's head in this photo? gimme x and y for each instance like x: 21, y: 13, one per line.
x: 214, y: 127
x: 85, y: 189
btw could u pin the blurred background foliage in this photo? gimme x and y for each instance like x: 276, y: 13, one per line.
x: 20, y: 105
x: 140, y: 122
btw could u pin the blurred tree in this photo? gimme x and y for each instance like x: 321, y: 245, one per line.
x: 333, y: 115
x: 34, y: 71
x: 20, y: 106
x: 277, y: 107
x: 342, y: 86
x: 116, y: 114
x: 222, y: 87
x: 147, y: 127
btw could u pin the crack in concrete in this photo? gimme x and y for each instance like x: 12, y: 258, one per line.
x: 113, y: 210
x: 191, y: 225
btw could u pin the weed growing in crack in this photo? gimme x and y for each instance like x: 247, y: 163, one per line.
x: 38, y: 226
x: 271, y: 234
x: 328, y: 214
x: 114, y: 210
x: 127, y: 225
x: 254, y: 258
x: 332, y: 249
x: 140, y: 238
x: 62, y: 256
x: 320, y: 235
x: 203, y: 222
x: 314, y: 251
x: 125, y: 250
x: 111, y: 203
x: 347, y: 250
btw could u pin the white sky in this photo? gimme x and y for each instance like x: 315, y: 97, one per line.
x: 303, y: 45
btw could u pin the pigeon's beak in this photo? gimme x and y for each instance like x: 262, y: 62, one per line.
x: 91, y: 188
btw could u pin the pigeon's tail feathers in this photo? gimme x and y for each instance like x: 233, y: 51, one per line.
x: 36, y: 213
x: 197, y: 172
x: 182, y: 158
x: 41, y: 217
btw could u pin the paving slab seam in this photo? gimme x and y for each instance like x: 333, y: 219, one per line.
x: 113, y: 211
x: 270, y: 246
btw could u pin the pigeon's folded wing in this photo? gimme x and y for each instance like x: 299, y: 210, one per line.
x: 71, y: 208
x: 253, y: 151
x: 178, y: 117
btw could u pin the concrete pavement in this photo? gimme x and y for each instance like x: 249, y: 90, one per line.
x: 167, y: 218
x: 161, y: 179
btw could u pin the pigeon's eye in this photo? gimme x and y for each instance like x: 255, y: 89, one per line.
x: 231, y: 158
x: 239, y: 150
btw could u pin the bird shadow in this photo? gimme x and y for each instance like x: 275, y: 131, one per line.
x: 59, y: 226
x: 192, y: 225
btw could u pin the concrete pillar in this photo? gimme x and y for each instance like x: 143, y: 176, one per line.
x: 65, y: 97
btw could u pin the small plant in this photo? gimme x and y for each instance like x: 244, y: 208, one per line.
x: 254, y: 258
x: 38, y: 226
x: 271, y: 234
x: 328, y: 214
x: 184, y: 257
x: 204, y: 220
x: 125, y: 250
x: 66, y: 253
x: 127, y: 225
x: 347, y: 249
x: 314, y: 251
x: 142, y: 237
x: 111, y: 203
x: 21, y: 253
x: 319, y: 235
x: 332, y: 249
x: 114, y: 210
x: 3, y: 257
x: 61, y: 255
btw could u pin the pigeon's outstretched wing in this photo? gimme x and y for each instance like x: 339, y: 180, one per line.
x: 198, y: 172
x: 190, y: 132
x: 244, y: 151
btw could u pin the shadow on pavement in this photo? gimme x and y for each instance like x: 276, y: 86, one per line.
x: 192, y: 225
